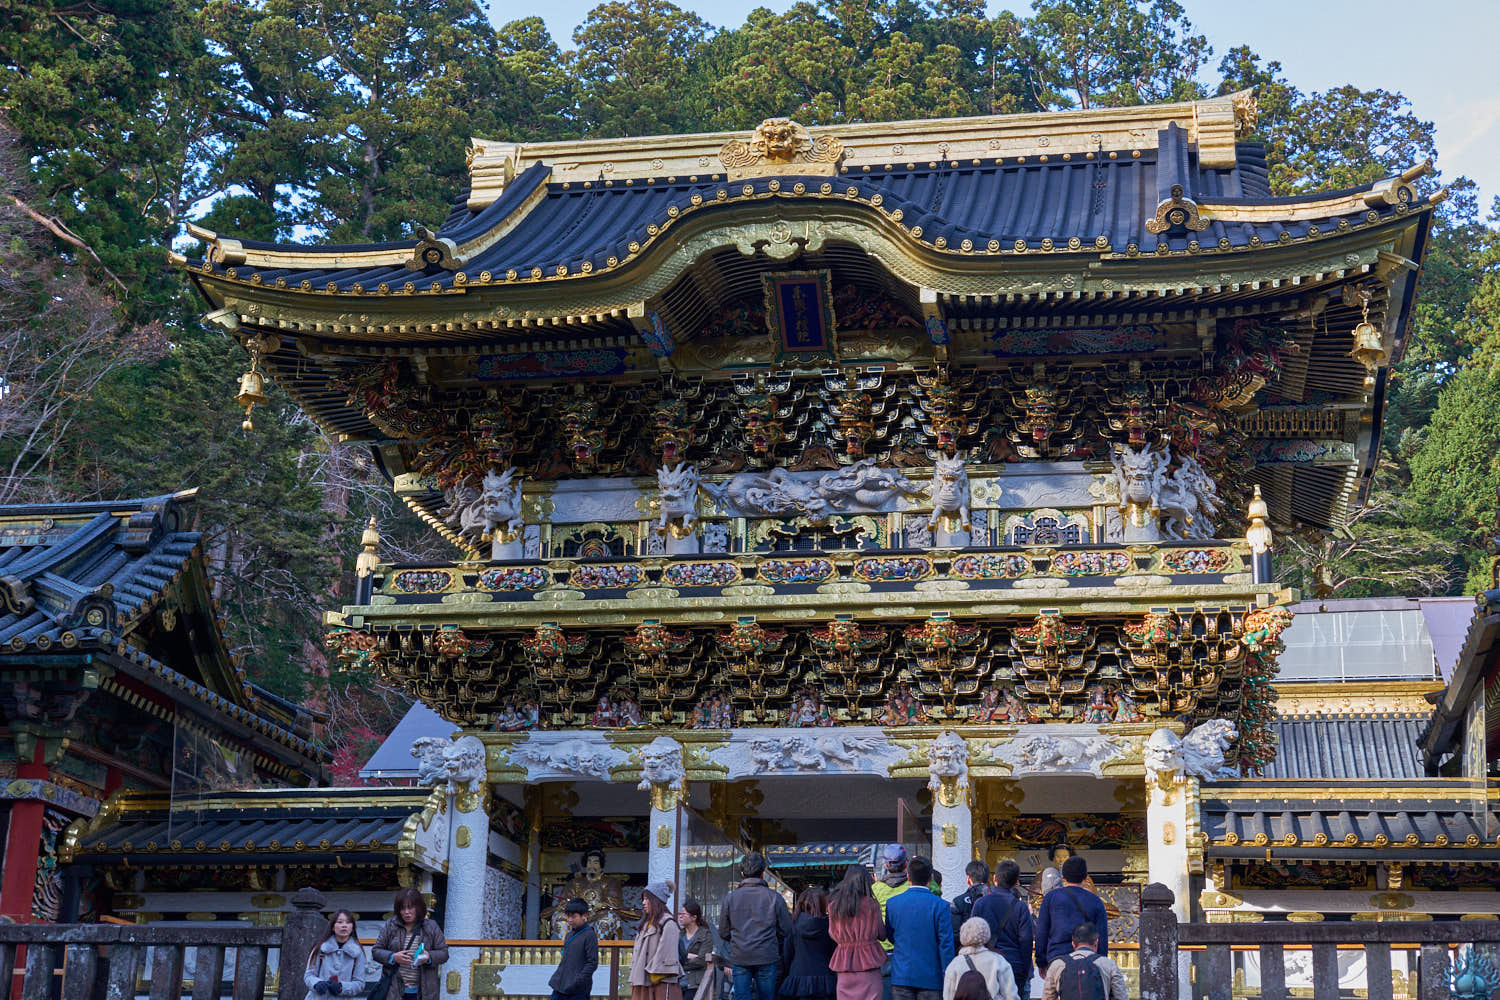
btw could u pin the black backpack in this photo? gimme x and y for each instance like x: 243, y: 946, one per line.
x: 1081, y: 979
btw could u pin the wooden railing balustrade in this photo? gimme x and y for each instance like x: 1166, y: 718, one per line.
x: 109, y: 961
x: 1206, y: 951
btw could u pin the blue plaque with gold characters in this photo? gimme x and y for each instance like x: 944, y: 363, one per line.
x: 799, y: 311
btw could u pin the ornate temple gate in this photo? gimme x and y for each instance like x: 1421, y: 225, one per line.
x: 796, y: 472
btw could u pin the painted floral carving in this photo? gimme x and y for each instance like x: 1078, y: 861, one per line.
x: 795, y: 571
x: 991, y: 566
x: 701, y: 574
x: 511, y: 578
x: 606, y: 576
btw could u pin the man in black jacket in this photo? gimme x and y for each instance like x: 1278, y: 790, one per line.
x: 574, y: 978
x: 1011, y: 927
x: 978, y: 874
x: 753, y: 923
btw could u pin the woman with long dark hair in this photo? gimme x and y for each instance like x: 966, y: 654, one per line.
x: 855, y: 925
x: 655, y: 970
x: 807, y: 952
x: 414, y: 946
x: 336, y: 965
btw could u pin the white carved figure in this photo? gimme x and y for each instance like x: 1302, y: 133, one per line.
x: 678, y: 500
x: 948, y: 760
x: 501, y: 501
x: 950, y: 492
x: 575, y: 756
x: 661, y: 765
x: 864, y: 486
x: 1050, y: 753
x: 1190, y: 502
x: 1200, y: 754
x: 454, y: 764
x: 812, y: 752
x: 1141, y: 475
x: 858, y: 488
x: 464, y: 510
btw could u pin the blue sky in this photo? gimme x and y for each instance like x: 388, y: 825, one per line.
x: 1441, y: 54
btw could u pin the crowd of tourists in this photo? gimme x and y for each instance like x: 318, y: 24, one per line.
x: 888, y: 939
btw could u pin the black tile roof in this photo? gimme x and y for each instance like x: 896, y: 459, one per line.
x: 1365, y: 823
x: 1336, y: 747
x: 85, y: 576
x: 304, y: 826
x: 1125, y: 202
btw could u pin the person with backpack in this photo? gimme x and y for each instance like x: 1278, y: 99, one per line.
x: 1012, y: 931
x: 978, y: 874
x: 1084, y: 974
x: 975, y: 956
x: 1065, y: 908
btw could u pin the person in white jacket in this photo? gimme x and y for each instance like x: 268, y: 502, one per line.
x: 336, y: 966
x: 974, y: 955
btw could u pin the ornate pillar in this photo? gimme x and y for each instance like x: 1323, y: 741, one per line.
x: 458, y: 768
x: 1174, y: 766
x: 952, y: 810
x: 665, y: 777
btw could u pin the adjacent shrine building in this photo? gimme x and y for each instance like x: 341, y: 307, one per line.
x: 813, y: 486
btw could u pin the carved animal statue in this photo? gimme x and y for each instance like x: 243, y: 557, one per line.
x: 1199, y: 754
x: 950, y: 492
x: 452, y: 763
x: 948, y: 759
x: 578, y: 757
x: 776, y: 493
x: 679, y: 494
x: 501, y: 501
x: 809, y: 753
x: 1141, y: 475
x: 1190, y: 502
x: 465, y: 510
x: 661, y: 764
x: 1062, y: 753
x: 863, y: 484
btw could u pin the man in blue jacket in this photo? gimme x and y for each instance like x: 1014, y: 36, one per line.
x: 1063, y: 910
x: 920, y: 926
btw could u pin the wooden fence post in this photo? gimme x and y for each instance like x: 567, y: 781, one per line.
x: 1158, y: 943
x: 304, y: 925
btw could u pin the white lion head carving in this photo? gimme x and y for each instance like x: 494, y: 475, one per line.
x: 661, y: 765
x: 948, y: 761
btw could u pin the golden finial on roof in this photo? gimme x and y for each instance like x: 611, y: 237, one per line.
x: 1259, y: 532
x: 367, y: 561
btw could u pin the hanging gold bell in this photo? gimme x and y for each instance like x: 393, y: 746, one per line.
x: 1368, y: 348
x: 252, y: 394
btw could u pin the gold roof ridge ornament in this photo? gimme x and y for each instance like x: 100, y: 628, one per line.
x: 779, y: 146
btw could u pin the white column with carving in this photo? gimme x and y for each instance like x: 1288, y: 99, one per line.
x: 458, y: 768
x: 1174, y: 766
x: 665, y: 777
x: 952, y: 811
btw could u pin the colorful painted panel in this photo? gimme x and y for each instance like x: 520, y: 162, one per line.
x: 701, y: 574
x: 1092, y: 563
x: 991, y: 566
x: 592, y: 576
x: 514, y: 578
x: 1189, y: 562
x: 795, y: 570
x: 422, y: 581
x: 890, y: 569
x: 1267, y: 452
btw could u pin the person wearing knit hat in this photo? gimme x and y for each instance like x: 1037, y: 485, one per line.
x: 656, y: 969
x: 974, y: 955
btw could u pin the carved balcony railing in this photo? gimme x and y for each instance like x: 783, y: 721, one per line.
x: 1162, y: 568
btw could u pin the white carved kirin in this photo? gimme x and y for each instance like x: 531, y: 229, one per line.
x: 1171, y: 759
x: 678, y: 497
x: 948, y: 767
x: 950, y: 493
x: 455, y: 764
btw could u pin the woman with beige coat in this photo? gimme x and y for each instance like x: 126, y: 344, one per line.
x: 655, y: 969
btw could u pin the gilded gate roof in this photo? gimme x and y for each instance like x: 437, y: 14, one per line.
x: 564, y: 216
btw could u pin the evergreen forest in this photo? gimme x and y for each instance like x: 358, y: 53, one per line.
x: 348, y: 120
